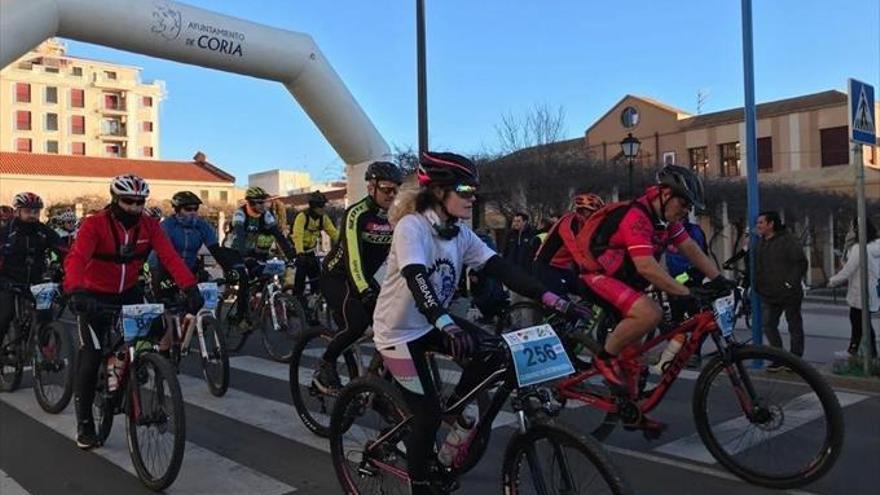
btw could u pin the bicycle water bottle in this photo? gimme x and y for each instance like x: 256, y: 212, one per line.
x: 455, y: 440
x: 668, y: 354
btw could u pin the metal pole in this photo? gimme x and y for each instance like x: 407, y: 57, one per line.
x: 422, y: 76
x: 631, y: 190
x: 863, y: 257
x: 751, y: 162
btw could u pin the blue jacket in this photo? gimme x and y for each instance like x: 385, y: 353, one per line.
x: 187, y: 239
x: 676, y: 262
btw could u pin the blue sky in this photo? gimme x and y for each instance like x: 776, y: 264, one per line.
x: 490, y: 57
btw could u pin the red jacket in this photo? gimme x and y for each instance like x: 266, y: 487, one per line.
x: 84, y: 268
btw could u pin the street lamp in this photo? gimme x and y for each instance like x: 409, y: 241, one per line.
x: 630, y: 148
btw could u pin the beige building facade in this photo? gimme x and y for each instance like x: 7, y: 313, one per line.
x: 280, y: 182
x: 801, y: 140
x: 53, y: 103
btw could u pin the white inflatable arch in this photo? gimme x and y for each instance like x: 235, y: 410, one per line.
x: 175, y: 31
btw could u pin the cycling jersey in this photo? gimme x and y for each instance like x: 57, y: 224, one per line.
x: 363, y: 246
x: 187, y: 238
x: 247, y: 226
x: 307, y: 229
x: 107, y: 257
x: 559, y: 248
x: 23, y: 250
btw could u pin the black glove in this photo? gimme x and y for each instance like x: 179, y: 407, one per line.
x: 459, y: 343
x: 369, y: 296
x: 83, y: 302
x: 721, y: 283
x: 194, y: 301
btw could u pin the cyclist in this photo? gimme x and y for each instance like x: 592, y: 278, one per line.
x: 154, y: 212
x: 24, y: 243
x: 352, y: 268
x: 306, y: 233
x: 248, y: 223
x: 619, y: 271
x: 555, y: 257
x: 6, y: 215
x: 103, y: 267
x: 429, y: 251
x: 66, y: 228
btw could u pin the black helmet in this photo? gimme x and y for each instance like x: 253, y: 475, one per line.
x: 384, y: 171
x: 317, y: 200
x: 185, y: 198
x: 446, y: 169
x: 683, y: 182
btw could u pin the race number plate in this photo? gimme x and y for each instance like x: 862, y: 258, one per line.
x: 44, y: 294
x: 210, y: 294
x: 274, y: 266
x: 725, y: 310
x: 538, y: 355
x: 136, y: 319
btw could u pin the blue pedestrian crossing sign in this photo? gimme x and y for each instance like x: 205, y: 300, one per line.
x: 862, y: 115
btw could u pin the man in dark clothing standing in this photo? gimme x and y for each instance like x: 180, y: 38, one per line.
x: 781, y: 265
x: 518, y: 248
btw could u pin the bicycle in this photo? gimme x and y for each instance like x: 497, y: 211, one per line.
x: 33, y: 337
x: 747, y: 402
x: 376, y: 458
x: 741, y: 277
x: 211, y: 345
x: 281, y: 317
x: 138, y: 382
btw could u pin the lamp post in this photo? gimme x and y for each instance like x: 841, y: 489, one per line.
x: 630, y: 149
x: 422, y: 77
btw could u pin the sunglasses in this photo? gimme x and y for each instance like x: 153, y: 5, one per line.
x: 388, y: 190
x: 190, y: 208
x: 258, y: 201
x: 133, y: 201
x: 465, y: 191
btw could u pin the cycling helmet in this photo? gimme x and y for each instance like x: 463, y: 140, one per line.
x: 6, y: 213
x: 384, y: 171
x: 446, y: 169
x: 153, y: 211
x: 67, y: 216
x: 129, y: 185
x: 683, y: 182
x: 317, y: 200
x: 588, y: 201
x: 255, y: 193
x: 185, y: 198
x: 27, y: 200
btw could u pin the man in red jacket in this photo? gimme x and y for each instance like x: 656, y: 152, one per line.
x: 102, y: 268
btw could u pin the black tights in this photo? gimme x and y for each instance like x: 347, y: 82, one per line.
x: 855, y: 320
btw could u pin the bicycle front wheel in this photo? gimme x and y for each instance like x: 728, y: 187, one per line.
x: 155, y: 421
x: 281, y: 330
x: 11, y: 359
x: 781, y: 432
x: 550, y: 459
x: 215, y: 360
x: 234, y: 335
x: 53, y: 369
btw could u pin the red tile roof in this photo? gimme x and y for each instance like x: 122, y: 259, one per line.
x: 89, y: 166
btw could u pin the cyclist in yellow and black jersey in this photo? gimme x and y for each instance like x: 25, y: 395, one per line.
x: 306, y: 233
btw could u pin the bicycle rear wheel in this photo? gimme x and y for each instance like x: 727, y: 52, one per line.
x: 790, y: 435
x: 11, y: 359
x: 102, y: 406
x: 215, y: 365
x: 313, y: 406
x: 550, y: 459
x: 292, y: 322
x: 157, y: 435
x: 233, y: 335
x: 366, y: 409
x: 52, y: 366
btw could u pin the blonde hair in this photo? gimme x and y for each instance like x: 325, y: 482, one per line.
x: 403, y: 205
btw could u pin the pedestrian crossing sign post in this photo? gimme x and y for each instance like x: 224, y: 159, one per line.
x: 862, y: 118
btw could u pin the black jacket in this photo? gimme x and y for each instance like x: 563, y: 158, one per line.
x: 780, y: 267
x: 519, y: 248
x: 23, y: 250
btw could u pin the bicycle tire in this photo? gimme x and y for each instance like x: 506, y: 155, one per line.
x: 294, y: 323
x: 215, y: 344
x: 519, y: 315
x: 522, y: 443
x: 62, y: 360
x: 317, y: 422
x: 177, y: 424
x: 393, y: 408
x: 827, y: 454
x: 102, y: 406
x: 11, y: 371
x: 234, y: 336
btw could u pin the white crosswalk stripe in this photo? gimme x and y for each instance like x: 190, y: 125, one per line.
x: 9, y: 486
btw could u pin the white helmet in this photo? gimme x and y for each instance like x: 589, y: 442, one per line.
x: 67, y: 216
x: 129, y: 185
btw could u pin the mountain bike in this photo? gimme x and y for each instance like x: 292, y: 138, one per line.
x: 136, y: 381
x: 34, y: 338
x: 370, y: 424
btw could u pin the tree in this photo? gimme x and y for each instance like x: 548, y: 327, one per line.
x: 538, y: 127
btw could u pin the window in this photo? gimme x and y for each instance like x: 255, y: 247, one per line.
x: 51, y: 121
x: 23, y: 145
x: 51, y: 70
x: 765, y: 154
x: 23, y: 120
x: 77, y: 124
x: 224, y: 197
x: 147, y: 151
x: 111, y: 102
x: 112, y: 127
x: 112, y: 150
x: 698, y: 159
x: 77, y: 98
x: 147, y: 126
x: 668, y: 158
x: 835, y: 146
x: 22, y: 92
x: 51, y: 94
x: 730, y: 162
x: 77, y: 71
x: 204, y: 194
x: 109, y: 74
x: 147, y: 101
x: 77, y: 148
x: 52, y: 146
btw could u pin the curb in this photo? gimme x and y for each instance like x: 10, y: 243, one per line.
x: 843, y: 382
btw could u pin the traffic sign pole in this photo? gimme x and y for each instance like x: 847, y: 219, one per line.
x: 863, y: 257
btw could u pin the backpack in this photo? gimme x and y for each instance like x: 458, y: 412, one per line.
x: 595, y: 234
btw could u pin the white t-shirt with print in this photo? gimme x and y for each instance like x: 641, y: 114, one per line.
x: 397, y: 320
